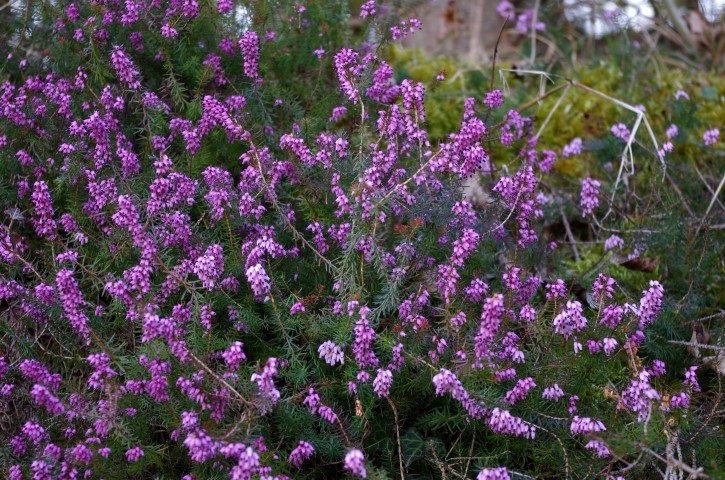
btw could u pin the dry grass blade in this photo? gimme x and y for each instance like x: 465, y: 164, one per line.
x: 714, y: 197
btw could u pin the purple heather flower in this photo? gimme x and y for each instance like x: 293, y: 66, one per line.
x: 691, y: 378
x: 497, y: 473
x: 680, y: 400
x: 599, y: 447
x: 610, y: 345
x: 18, y: 446
x: 464, y: 246
x: 331, y: 353
x: 572, y: 149
x: 397, y: 360
x: 458, y: 320
x: 302, y: 452
x: 494, y: 99
x: 71, y: 300
x: 672, y: 131
x: 355, y: 463
x: 34, y: 432
x: 520, y: 391
x: 337, y: 114
x: 201, y: 446
x: 37, y: 372
x: 506, y: 9
x: 603, y: 287
x: 190, y: 9
x: 225, y: 6
x: 134, y: 454
x: 234, y: 355
x: 491, y: 317
x: 638, y: 397
x: 594, y: 346
x: 547, y: 160
x: 258, y: 280
x: 711, y: 136
x: 463, y: 214
x: 368, y: 9
x: 556, y: 290
x: 347, y: 68
x: 612, y: 316
x: 125, y: 68
x: 382, y: 382
x: 651, y: 304
x: 44, y: 398
x: 613, y: 242
x: 620, y: 131
x: 249, y: 45
x: 265, y: 383
x: 446, y: 381
x: 247, y: 466
x: 681, y: 94
x: 364, y: 338
x: 447, y: 279
x: 312, y: 401
x: 501, y: 421
x: 404, y: 28
x: 210, y: 266
x: 589, y: 196
x: 168, y: 31
x: 476, y: 290
x: 553, y: 392
x: 581, y: 425
x: 101, y: 370
x: 43, y: 221
x: 383, y: 89
x: 524, y: 22
x: 658, y: 368
x: 511, y: 279
x: 570, y: 320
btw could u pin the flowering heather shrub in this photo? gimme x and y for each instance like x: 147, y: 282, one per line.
x: 208, y: 274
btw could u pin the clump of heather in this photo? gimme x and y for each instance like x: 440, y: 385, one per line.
x: 205, y: 273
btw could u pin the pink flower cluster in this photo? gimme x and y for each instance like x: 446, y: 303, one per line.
x: 589, y: 196
x: 376, y: 205
x: 355, y: 463
x: 302, y: 452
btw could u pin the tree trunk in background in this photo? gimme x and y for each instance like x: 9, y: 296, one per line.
x: 466, y: 29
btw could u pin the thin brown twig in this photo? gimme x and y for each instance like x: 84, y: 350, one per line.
x: 495, y: 54
x: 718, y: 399
x: 470, y: 452
x: 709, y: 188
x: 563, y: 449
x: 679, y: 194
x: 698, y: 345
x: 279, y: 320
x: 28, y: 5
x: 410, y: 179
x: 437, y: 461
x: 534, y: 20
x: 707, y: 317
x: 569, y: 233
x: 397, y: 436
x: 219, y: 379
x: 297, y: 235
x: 342, y: 429
x: 695, y: 473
